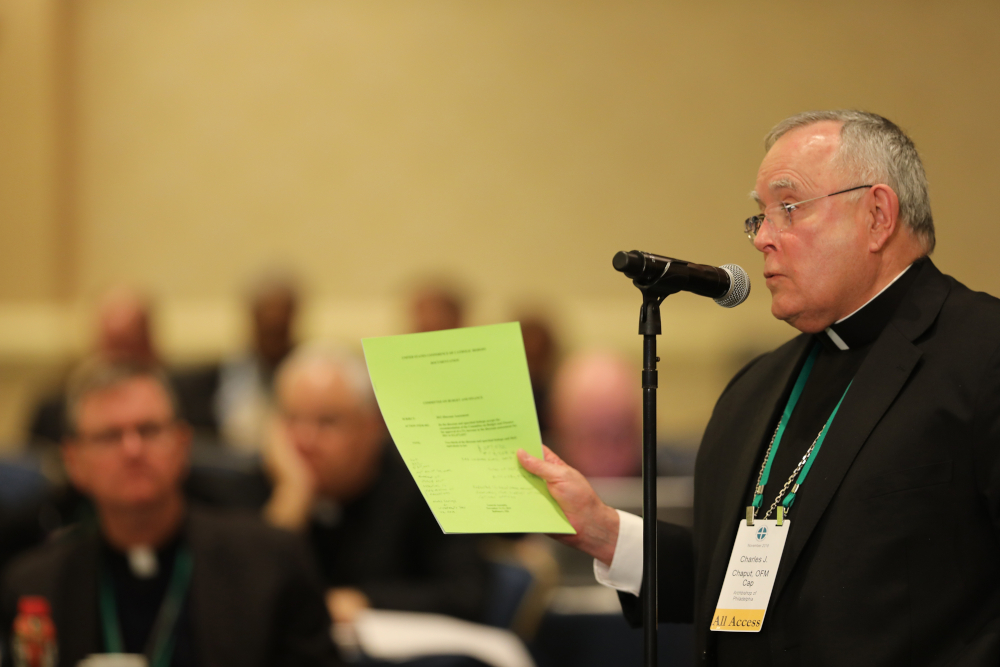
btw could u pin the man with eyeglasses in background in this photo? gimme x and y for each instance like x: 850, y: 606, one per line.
x: 151, y: 575
x: 873, y: 438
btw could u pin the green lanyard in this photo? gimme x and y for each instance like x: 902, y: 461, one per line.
x: 802, y: 470
x: 160, y: 647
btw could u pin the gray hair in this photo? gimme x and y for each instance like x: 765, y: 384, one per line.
x: 98, y: 374
x: 348, y: 366
x: 877, y: 151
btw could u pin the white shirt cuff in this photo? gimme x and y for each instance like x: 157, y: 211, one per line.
x: 625, y: 571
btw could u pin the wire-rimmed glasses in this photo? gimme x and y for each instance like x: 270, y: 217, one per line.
x: 780, y: 213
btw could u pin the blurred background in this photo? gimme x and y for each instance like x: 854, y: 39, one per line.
x: 511, y: 148
x: 208, y: 182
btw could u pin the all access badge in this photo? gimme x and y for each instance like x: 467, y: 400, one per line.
x: 753, y: 566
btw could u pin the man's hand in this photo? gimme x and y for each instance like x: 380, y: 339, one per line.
x: 294, y: 482
x: 345, y: 604
x: 596, y: 524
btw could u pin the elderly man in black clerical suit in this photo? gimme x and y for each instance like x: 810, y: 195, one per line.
x: 879, y: 425
x: 339, y: 480
x: 152, y: 575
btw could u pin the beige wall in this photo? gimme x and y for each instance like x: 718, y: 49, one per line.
x: 514, y: 145
x: 30, y: 130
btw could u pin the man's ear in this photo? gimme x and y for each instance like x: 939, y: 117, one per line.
x: 883, y: 216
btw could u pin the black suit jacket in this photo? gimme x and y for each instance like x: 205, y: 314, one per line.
x: 893, y: 557
x: 388, y: 544
x: 255, y: 596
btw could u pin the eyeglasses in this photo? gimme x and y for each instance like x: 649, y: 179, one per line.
x: 780, y: 213
x: 149, y: 432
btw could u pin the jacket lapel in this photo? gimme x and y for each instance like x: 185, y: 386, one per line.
x: 879, y: 380
x: 213, y: 588
x: 77, y: 623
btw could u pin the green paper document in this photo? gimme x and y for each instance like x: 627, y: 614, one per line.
x: 458, y: 405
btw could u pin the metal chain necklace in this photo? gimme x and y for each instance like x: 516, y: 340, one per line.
x: 791, y: 478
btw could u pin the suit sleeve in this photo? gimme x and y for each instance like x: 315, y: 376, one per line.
x: 675, y: 578
x: 7, y: 609
x: 986, y: 437
x: 304, y: 636
x: 447, y: 576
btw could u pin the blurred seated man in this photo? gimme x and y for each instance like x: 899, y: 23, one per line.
x: 123, y: 333
x: 246, y: 384
x: 233, y: 400
x: 338, y: 478
x: 151, y: 575
x: 540, y: 351
x: 597, y: 415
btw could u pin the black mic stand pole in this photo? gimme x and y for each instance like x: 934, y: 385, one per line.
x: 657, y: 278
x: 649, y: 329
x: 656, y: 283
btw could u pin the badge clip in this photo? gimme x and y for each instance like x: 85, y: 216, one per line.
x: 780, y: 515
x: 750, y: 515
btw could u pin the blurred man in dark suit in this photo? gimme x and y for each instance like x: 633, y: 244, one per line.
x: 182, y: 585
x: 339, y: 479
x: 230, y: 402
x: 123, y: 333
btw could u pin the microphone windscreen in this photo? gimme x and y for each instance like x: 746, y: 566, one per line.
x: 739, y: 286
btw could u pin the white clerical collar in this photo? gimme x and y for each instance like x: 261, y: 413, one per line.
x: 836, y: 339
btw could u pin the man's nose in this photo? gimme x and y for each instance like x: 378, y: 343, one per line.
x: 766, y: 236
x: 132, y: 442
x: 305, y: 434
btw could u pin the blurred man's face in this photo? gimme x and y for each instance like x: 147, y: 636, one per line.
x: 338, y: 437
x: 273, y: 319
x: 597, y: 424
x: 539, y: 348
x: 816, y: 270
x: 435, y: 311
x: 123, y: 331
x: 128, y: 451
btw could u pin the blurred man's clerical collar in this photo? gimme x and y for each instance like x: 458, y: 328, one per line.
x: 865, y: 324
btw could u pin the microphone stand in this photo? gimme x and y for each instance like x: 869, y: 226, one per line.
x: 657, y: 278
x: 655, y: 288
x: 649, y: 329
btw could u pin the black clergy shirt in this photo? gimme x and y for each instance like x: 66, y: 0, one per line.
x: 841, y: 355
x: 139, y: 600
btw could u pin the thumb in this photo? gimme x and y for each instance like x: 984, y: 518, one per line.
x: 551, y: 456
x: 536, y: 466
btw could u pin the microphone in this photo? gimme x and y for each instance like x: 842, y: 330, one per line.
x: 728, y: 285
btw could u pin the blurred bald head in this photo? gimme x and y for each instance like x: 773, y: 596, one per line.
x: 123, y: 327
x: 597, y: 414
x: 329, y: 412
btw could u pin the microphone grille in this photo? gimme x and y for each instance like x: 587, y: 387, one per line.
x: 739, y: 287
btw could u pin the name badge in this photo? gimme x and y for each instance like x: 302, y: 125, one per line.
x: 750, y: 577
